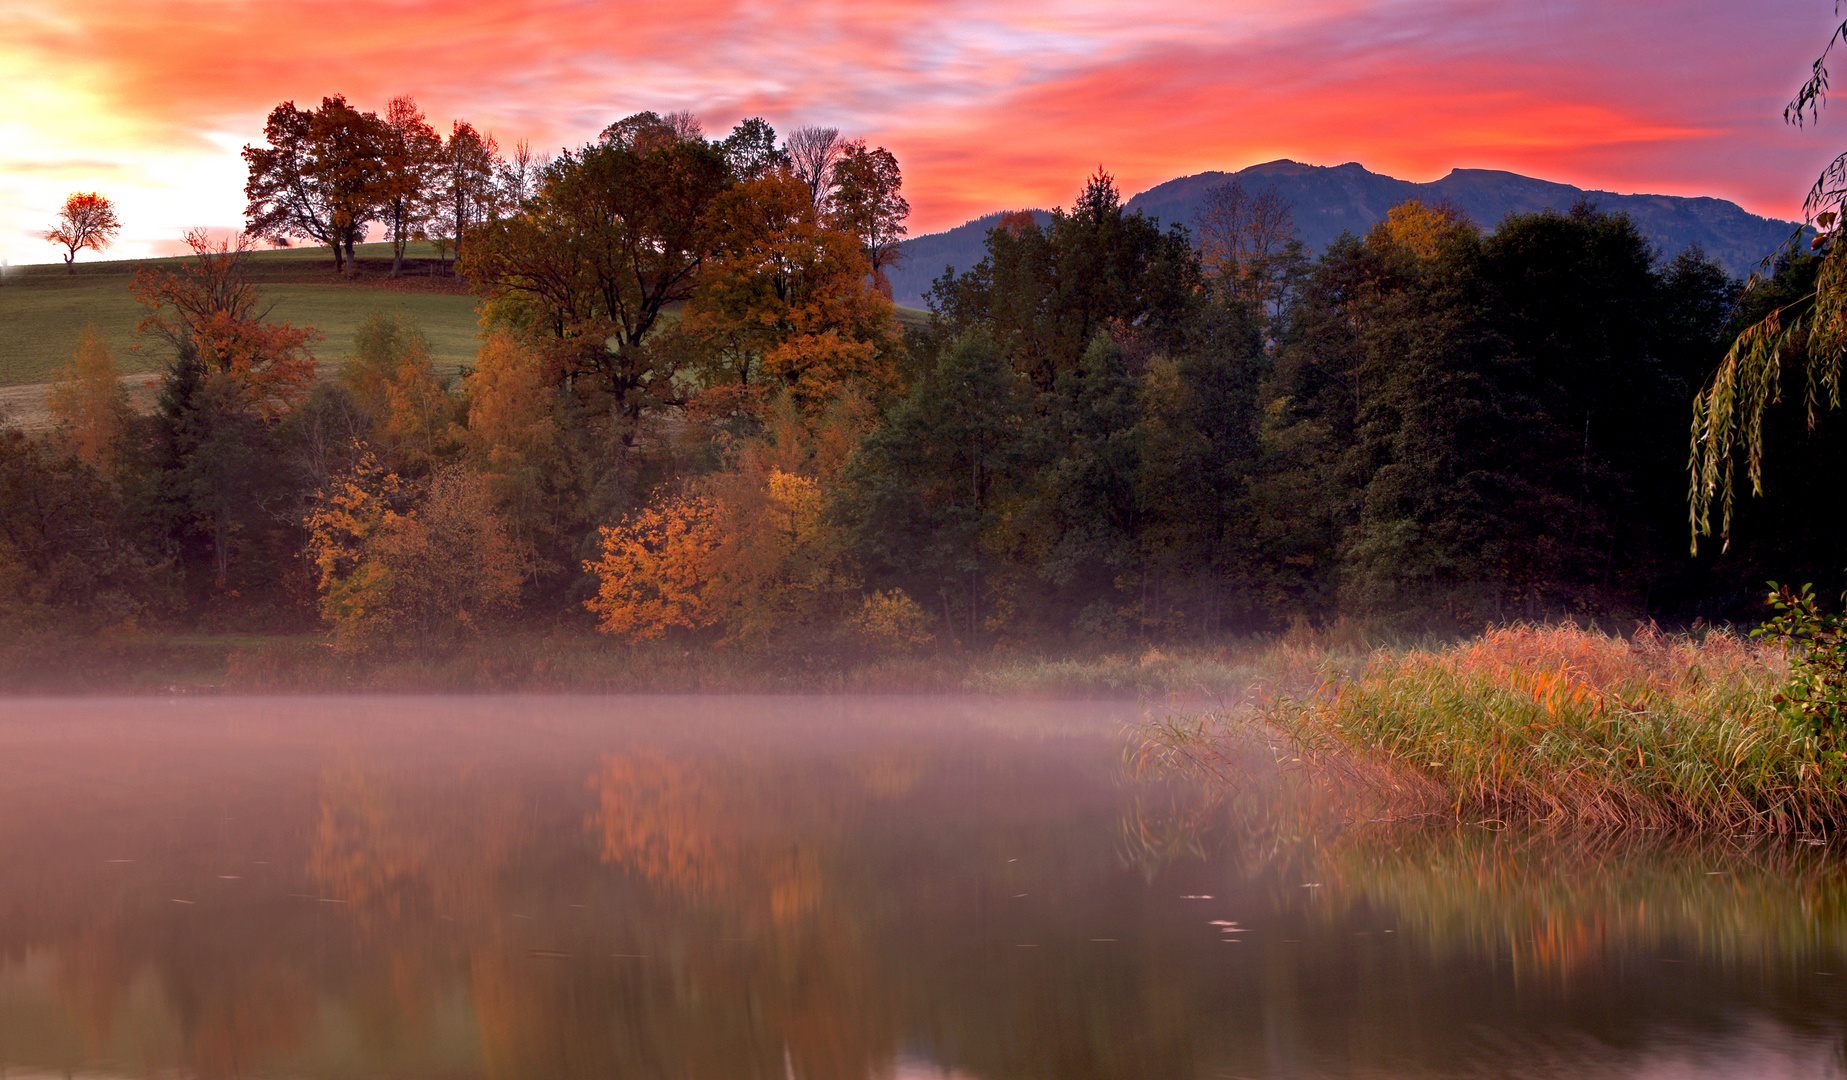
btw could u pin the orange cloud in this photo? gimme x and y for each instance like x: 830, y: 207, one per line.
x: 988, y: 106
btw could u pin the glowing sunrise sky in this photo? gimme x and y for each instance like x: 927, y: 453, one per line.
x: 987, y: 105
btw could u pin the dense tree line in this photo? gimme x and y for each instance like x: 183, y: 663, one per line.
x: 694, y: 413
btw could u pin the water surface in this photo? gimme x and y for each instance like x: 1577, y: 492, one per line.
x: 835, y: 888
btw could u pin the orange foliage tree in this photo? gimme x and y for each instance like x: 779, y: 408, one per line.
x: 787, y: 300
x: 751, y: 551
x: 657, y: 571
x: 212, y: 315
x: 1419, y: 229
x: 86, y: 220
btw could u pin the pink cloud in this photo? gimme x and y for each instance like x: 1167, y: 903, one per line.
x: 987, y: 106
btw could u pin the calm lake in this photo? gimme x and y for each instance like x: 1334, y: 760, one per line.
x: 821, y: 888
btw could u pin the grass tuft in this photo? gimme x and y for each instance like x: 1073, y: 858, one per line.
x: 1564, y: 725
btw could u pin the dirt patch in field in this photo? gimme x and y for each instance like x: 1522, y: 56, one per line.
x: 24, y: 406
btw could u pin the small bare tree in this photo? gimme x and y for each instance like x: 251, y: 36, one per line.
x: 813, y: 153
x: 87, y: 221
x: 520, y: 175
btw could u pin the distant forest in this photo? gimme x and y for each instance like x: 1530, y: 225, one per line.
x: 694, y: 415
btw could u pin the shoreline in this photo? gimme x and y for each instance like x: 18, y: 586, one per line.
x: 209, y: 665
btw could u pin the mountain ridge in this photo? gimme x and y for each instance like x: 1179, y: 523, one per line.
x: 1332, y: 199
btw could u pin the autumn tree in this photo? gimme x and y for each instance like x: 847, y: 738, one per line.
x: 1244, y: 241
x: 212, y: 315
x: 866, y: 204
x: 89, y: 402
x: 409, y: 153
x: 617, y: 233
x: 87, y: 220
x: 520, y: 175
x: 319, y: 177
x: 519, y: 440
x: 785, y: 298
x: 428, y: 574
x: 465, y: 193
x: 752, y: 151
x: 210, y: 464
x: 392, y: 378
x: 749, y: 553
x: 655, y: 573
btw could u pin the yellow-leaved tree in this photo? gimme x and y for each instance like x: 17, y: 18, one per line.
x: 749, y: 551
x: 516, y: 440
x: 393, y: 378
x: 425, y: 570
x: 89, y: 402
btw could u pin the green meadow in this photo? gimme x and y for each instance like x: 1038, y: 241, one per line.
x: 43, y: 309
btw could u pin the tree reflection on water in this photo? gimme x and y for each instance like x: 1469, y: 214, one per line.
x: 912, y: 891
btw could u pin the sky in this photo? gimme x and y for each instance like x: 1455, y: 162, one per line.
x: 988, y: 105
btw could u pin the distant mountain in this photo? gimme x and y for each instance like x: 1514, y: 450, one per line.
x: 1348, y: 198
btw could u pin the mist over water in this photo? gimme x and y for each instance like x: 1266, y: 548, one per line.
x: 903, y: 888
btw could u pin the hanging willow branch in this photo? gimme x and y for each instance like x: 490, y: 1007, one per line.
x: 1728, y: 415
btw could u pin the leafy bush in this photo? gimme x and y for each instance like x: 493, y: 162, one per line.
x: 1816, y: 647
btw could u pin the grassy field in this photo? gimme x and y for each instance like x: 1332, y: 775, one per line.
x: 43, y: 309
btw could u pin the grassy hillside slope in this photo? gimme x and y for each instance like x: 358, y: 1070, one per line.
x: 43, y: 310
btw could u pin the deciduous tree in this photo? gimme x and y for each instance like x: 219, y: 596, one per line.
x: 813, y: 152
x: 617, y: 233
x: 391, y: 376
x: 90, y: 403
x: 752, y: 151
x: 785, y: 298
x: 409, y: 153
x: 87, y: 220
x: 656, y: 570
x: 1244, y: 241
x: 428, y: 575
x: 866, y: 203
x: 319, y: 177
x: 210, y: 313
x: 465, y: 194
x: 1809, y: 329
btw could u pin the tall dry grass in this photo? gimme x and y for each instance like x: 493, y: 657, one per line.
x: 1566, y: 725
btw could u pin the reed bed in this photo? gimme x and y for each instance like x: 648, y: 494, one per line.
x: 1571, y: 726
